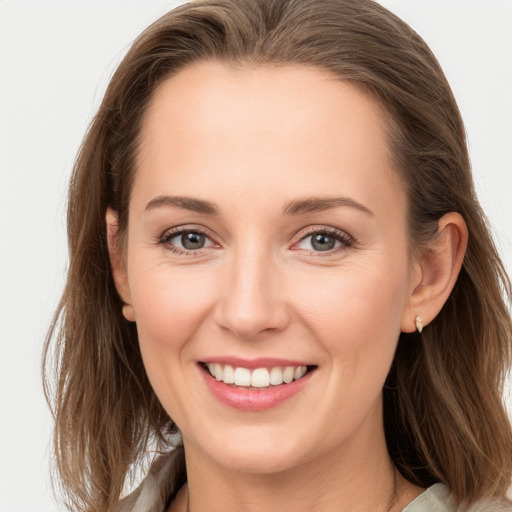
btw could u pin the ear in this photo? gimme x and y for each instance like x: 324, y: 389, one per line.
x: 435, y: 272
x: 118, y: 264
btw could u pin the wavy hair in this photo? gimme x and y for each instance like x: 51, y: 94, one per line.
x: 444, y: 415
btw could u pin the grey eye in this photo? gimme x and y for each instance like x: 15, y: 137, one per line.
x: 192, y: 240
x: 322, y: 242
x: 183, y: 241
x: 188, y: 240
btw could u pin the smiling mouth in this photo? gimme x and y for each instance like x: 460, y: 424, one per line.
x: 258, y: 378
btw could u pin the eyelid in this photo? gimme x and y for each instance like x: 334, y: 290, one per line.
x: 171, y: 233
x: 346, y: 240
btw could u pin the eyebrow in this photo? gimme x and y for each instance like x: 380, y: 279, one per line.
x: 186, y: 203
x: 318, y: 204
x: 295, y: 207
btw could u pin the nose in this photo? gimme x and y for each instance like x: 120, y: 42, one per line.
x: 253, y: 295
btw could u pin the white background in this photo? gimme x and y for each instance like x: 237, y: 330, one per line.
x: 55, y: 60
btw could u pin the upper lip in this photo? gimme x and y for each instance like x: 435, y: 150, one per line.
x: 260, y: 362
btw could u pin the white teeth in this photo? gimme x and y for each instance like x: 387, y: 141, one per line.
x: 276, y: 376
x: 217, y: 371
x: 258, y: 378
x: 242, y: 377
x: 288, y: 374
x: 299, y: 372
x: 229, y: 374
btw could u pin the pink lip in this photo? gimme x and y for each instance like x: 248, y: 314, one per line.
x: 251, y: 364
x: 254, y: 400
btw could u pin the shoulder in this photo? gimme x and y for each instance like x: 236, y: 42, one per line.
x: 491, y: 506
x: 154, y: 492
x: 437, y: 498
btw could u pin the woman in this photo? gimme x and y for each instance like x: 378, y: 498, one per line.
x: 278, y: 266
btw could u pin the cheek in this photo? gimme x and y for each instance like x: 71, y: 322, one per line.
x: 169, y: 304
x: 354, y: 317
x: 355, y: 312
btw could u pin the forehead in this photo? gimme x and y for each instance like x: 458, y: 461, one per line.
x: 296, y: 129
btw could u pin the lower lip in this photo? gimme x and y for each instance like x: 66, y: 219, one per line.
x: 251, y: 399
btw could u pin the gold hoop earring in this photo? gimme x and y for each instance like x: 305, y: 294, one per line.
x: 419, y: 324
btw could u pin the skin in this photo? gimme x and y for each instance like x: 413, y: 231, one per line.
x: 251, y: 141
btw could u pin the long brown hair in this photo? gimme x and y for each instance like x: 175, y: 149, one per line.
x: 443, y: 410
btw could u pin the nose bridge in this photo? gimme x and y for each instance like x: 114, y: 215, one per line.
x: 253, y: 299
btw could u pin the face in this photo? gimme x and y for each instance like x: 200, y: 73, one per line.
x: 266, y: 238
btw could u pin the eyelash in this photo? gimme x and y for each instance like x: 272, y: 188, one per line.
x: 339, y: 236
x: 169, y: 235
x: 345, y: 240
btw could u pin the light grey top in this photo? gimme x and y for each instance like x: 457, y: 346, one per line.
x: 154, y: 492
x: 437, y: 499
x: 434, y: 499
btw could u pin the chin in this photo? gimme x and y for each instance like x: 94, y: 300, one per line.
x: 260, y: 463
x: 258, y: 453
